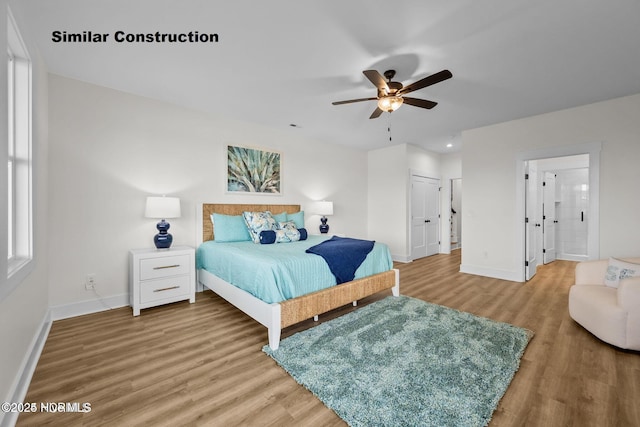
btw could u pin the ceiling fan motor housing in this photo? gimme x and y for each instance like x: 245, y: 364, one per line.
x: 394, y: 87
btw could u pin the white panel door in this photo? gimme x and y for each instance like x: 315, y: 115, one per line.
x: 549, y: 217
x: 418, y: 217
x: 531, y: 221
x: 425, y: 218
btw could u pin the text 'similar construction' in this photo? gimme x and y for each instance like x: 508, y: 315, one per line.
x: 125, y: 37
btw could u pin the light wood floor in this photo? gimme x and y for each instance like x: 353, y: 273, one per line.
x: 202, y: 364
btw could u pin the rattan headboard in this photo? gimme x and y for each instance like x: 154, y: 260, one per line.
x: 233, y: 209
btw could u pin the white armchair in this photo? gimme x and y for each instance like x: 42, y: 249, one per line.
x: 611, y: 314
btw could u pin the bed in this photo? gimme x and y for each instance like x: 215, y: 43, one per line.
x: 278, y: 315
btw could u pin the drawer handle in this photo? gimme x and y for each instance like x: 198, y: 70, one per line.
x: 166, y: 266
x: 166, y: 289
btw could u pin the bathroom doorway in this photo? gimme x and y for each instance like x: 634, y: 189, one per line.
x: 557, y: 210
x: 592, y: 217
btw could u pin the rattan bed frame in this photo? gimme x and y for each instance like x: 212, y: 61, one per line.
x: 277, y: 316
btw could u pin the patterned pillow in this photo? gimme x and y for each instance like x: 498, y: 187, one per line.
x: 257, y: 222
x: 618, y: 270
x: 287, y: 232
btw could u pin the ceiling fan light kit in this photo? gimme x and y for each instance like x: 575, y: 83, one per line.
x: 391, y: 94
x: 390, y: 103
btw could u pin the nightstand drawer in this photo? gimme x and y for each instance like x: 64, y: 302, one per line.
x: 153, y: 268
x: 164, y: 288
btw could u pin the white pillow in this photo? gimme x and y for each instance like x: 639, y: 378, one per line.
x: 618, y: 270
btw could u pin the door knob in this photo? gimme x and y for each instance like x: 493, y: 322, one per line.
x: 427, y: 220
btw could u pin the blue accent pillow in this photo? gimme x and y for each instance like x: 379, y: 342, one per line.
x: 297, y: 218
x: 267, y: 237
x: 303, y: 233
x: 229, y: 228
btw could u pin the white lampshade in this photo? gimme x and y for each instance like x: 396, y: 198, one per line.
x: 324, y: 208
x: 162, y: 207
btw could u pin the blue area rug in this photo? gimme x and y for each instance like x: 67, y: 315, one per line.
x: 405, y: 362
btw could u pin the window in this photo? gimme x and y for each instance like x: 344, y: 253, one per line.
x: 19, y: 166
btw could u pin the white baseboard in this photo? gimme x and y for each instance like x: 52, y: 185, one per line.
x: 27, y: 368
x: 401, y: 258
x: 569, y: 257
x: 88, y: 307
x: 512, y: 276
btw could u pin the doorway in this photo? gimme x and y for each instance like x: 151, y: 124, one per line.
x: 425, y: 217
x: 557, y: 210
x: 456, y: 213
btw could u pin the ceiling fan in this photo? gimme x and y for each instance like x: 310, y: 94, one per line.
x: 391, y: 94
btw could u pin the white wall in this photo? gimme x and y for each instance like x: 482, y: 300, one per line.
x: 424, y: 161
x: 23, y: 313
x: 387, y: 198
x: 490, y: 227
x: 389, y: 201
x: 109, y: 150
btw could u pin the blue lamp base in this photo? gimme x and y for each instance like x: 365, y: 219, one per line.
x: 163, y: 239
x: 324, y: 227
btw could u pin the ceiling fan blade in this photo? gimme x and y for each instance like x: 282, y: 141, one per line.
x: 377, y: 80
x: 427, y: 81
x: 376, y: 113
x: 422, y: 103
x: 353, y: 100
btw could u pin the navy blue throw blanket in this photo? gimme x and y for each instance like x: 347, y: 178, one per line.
x: 343, y: 255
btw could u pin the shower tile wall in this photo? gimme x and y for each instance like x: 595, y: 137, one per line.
x: 572, y: 206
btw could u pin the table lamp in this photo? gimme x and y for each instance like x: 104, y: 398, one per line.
x: 162, y: 208
x: 324, y: 208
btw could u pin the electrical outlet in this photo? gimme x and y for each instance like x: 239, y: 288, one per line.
x: 90, y: 281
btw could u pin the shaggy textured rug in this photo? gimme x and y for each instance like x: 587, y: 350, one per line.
x: 405, y: 362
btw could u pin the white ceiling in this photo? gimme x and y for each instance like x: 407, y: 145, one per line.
x: 283, y: 62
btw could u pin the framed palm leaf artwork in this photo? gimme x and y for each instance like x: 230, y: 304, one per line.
x: 250, y: 170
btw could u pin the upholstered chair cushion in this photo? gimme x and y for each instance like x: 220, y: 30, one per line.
x: 611, y: 314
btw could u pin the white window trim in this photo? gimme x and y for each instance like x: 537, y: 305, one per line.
x: 19, y: 149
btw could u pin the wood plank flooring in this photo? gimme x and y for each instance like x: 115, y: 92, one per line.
x: 202, y: 364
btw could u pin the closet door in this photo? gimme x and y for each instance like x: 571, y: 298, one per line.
x: 425, y: 218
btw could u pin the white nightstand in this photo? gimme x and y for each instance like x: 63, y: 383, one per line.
x: 161, y: 276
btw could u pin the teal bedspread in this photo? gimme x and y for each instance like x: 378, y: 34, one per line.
x: 281, y: 271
